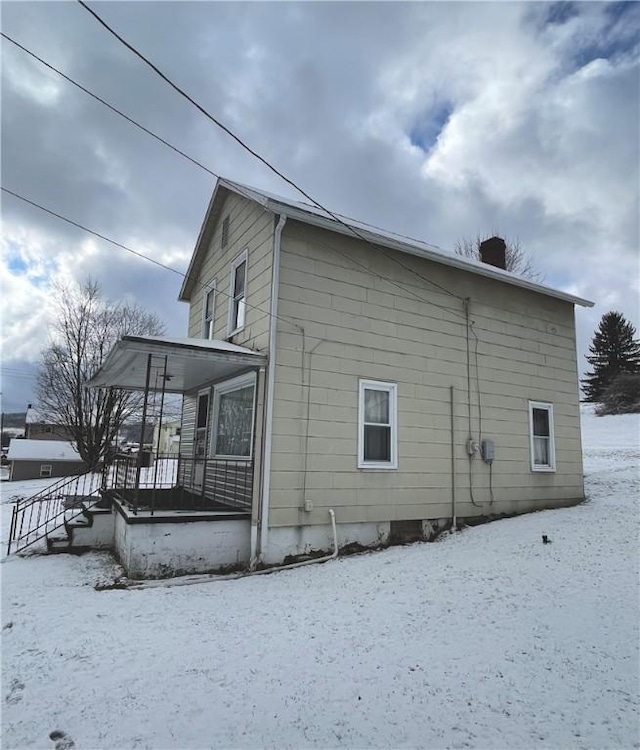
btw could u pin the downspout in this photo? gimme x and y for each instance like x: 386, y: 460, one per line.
x: 257, y: 554
x: 454, y: 519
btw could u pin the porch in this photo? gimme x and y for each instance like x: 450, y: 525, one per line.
x: 221, y: 423
x: 180, y: 483
x: 164, y: 514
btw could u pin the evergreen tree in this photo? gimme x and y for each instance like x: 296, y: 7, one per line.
x: 614, y: 351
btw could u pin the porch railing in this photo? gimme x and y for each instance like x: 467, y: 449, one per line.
x: 172, y: 482
x: 34, y: 518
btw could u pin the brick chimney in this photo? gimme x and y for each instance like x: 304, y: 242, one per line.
x: 494, y: 252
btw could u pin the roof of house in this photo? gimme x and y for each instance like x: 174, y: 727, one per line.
x: 42, y: 450
x: 310, y: 214
x: 32, y: 416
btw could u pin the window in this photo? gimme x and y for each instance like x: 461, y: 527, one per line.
x: 238, y: 294
x: 224, y: 240
x: 208, y: 311
x: 233, y: 418
x: 45, y: 470
x: 543, y: 454
x: 377, y: 425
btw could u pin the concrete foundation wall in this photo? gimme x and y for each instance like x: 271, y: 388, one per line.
x: 301, y: 540
x: 159, y: 550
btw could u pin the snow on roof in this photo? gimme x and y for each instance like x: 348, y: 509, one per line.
x: 42, y: 450
x: 310, y: 214
x: 32, y: 416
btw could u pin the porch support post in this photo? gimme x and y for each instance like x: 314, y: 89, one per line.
x: 143, y: 429
x: 157, y: 455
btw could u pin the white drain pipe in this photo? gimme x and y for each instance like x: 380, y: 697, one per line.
x: 211, y: 577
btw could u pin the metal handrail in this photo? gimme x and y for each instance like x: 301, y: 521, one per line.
x: 34, y: 517
x: 195, y: 484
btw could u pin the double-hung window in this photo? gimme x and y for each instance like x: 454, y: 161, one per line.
x: 542, y: 444
x: 46, y: 470
x: 233, y: 417
x: 209, y: 306
x: 377, y: 425
x: 238, y: 293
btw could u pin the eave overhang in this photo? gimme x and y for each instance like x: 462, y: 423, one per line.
x: 309, y: 214
x: 190, y: 363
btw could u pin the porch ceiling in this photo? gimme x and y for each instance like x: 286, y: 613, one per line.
x: 190, y: 363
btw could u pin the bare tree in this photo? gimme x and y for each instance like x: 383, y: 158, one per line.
x: 86, y: 328
x: 518, y: 261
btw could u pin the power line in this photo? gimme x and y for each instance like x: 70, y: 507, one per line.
x: 227, y: 130
x: 204, y: 286
x: 138, y: 254
x: 209, y: 171
x: 109, y: 106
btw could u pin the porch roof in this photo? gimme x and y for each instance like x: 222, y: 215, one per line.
x: 190, y: 363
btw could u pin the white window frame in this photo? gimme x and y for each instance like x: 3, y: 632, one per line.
x: 207, y: 325
x: 46, y: 470
x: 392, y: 390
x: 242, y: 258
x: 236, y: 384
x: 551, y: 466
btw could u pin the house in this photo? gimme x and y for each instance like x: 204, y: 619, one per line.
x: 335, y: 371
x: 166, y: 437
x: 37, y: 428
x: 43, y: 459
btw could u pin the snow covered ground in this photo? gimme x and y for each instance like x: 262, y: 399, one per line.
x: 485, y: 639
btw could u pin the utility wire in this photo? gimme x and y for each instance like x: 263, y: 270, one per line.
x: 109, y: 106
x: 226, y: 129
x: 142, y: 255
x: 209, y: 171
x: 91, y: 231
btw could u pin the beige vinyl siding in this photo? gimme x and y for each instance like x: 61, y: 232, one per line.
x: 252, y: 228
x: 187, y: 435
x: 359, y: 325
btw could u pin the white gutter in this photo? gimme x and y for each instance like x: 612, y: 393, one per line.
x: 257, y: 554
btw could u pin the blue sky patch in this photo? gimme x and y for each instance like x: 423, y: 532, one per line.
x: 428, y: 127
x: 17, y: 264
x: 559, y: 13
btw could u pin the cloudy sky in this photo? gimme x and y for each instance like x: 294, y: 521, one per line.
x: 438, y: 120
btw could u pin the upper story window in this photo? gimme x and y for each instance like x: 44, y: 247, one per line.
x: 224, y: 239
x: 208, y: 311
x: 377, y: 425
x: 238, y: 293
x: 541, y: 439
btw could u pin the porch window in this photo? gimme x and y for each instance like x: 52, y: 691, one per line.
x: 208, y: 311
x: 541, y: 438
x: 233, y: 418
x: 45, y: 470
x: 238, y: 293
x: 377, y: 425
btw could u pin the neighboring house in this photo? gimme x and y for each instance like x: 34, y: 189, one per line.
x: 42, y: 459
x: 37, y: 428
x: 166, y: 437
x: 406, y: 389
